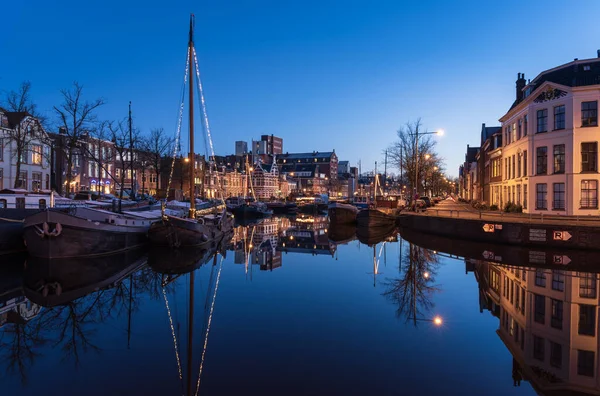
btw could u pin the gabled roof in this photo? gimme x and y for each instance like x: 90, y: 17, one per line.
x: 471, y: 153
x: 572, y: 74
x: 15, y: 117
x: 487, y: 132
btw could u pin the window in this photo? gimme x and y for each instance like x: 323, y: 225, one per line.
x: 541, y: 193
x: 589, y: 113
x: 556, y: 320
x: 538, y: 348
x: 542, y: 120
x: 525, y: 125
x: 555, y: 354
x: 20, y: 203
x: 558, y: 201
x: 47, y: 182
x: 36, y: 154
x: 559, y: 117
x: 514, y: 132
x: 1, y: 149
x: 519, y: 128
x: 3, y: 204
x: 585, y: 363
x: 518, y: 201
x: 36, y: 181
x: 589, y: 157
x: 519, y: 165
x: 559, y: 158
x: 539, y: 309
x: 525, y: 163
x: 42, y: 203
x: 494, y: 280
x: 589, y: 194
x: 1, y: 178
x: 587, y: 319
x: 508, y: 169
x: 513, y: 166
x: 587, y: 285
x: 540, y: 278
x: 558, y: 280
x: 22, y: 179
x: 523, y: 300
x: 542, y: 160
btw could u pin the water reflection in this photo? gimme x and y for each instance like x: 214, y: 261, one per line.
x: 413, y: 291
x: 200, y: 318
x: 547, y: 320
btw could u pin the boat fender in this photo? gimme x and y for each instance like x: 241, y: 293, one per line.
x: 57, y: 230
x: 200, y: 220
x: 45, y: 291
x: 46, y: 228
x: 58, y: 289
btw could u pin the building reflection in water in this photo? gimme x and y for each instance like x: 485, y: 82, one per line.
x: 263, y: 243
x: 548, y: 320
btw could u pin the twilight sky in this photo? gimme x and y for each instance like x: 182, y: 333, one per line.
x: 320, y: 74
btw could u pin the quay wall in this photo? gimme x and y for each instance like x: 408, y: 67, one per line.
x: 567, y: 236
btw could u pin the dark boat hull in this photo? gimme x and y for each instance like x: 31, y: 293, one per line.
x: 374, y: 218
x: 176, y: 232
x: 341, y: 233
x: 78, y: 237
x: 250, y: 212
x: 342, y: 214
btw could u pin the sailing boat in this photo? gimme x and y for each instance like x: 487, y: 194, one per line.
x: 194, y: 230
x: 372, y: 217
x: 254, y: 209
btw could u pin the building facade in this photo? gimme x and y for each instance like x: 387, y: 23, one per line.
x: 21, y: 129
x: 550, y: 141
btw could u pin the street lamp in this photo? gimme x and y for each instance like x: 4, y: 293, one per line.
x: 439, y: 132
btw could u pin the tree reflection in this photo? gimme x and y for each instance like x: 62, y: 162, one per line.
x: 18, y: 341
x: 413, y: 291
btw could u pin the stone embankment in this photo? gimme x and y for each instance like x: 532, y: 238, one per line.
x: 460, y: 221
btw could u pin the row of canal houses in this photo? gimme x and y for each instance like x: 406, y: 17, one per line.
x: 42, y: 166
x: 544, y: 154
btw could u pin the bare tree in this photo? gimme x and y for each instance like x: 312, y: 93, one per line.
x: 27, y: 130
x: 402, y: 154
x: 154, y: 148
x: 119, y: 133
x: 76, y: 117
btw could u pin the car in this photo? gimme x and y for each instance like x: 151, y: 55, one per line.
x: 427, y: 201
x: 418, y: 205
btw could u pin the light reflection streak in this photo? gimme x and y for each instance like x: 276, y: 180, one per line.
x: 212, y: 307
x: 173, y: 333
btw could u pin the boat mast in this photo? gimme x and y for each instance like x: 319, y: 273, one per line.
x: 131, y: 154
x: 192, y: 169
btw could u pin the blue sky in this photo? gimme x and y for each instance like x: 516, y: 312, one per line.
x: 319, y: 74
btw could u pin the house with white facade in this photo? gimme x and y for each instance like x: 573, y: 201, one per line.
x: 32, y: 170
x: 550, y: 141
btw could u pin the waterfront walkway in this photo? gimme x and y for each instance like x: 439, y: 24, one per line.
x: 459, y: 210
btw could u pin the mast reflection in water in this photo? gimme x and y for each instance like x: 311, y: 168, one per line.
x: 299, y: 306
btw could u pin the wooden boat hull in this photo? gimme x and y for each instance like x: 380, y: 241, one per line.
x: 283, y: 208
x: 342, y: 213
x: 177, y: 232
x: 374, y: 218
x: 78, y: 237
x: 250, y: 212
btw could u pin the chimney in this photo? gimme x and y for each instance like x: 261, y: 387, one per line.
x: 598, y: 53
x: 520, y: 86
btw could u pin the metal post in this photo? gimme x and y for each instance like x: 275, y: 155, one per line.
x: 416, y: 161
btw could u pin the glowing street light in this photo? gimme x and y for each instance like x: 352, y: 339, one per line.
x: 438, y: 321
x: 426, y: 275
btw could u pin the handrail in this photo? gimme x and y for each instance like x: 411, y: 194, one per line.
x: 503, y: 216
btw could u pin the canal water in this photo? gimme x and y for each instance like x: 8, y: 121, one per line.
x: 296, y: 307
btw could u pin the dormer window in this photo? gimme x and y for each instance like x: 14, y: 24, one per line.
x: 586, y: 68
